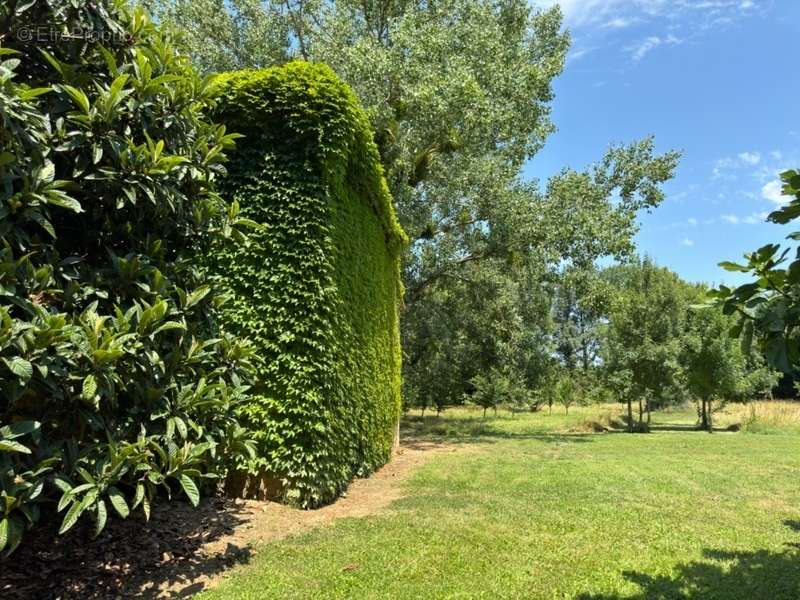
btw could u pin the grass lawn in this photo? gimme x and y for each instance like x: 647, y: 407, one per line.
x: 528, y: 509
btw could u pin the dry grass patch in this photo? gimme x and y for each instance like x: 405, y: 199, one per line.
x: 764, y: 416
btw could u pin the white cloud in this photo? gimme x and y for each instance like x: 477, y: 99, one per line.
x: 740, y: 161
x: 725, y: 163
x: 752, y: 219
x: 645, y: 46
x: 622, y: 13
x: 668, y: 22
x: 692, y: 221
x: 578, y: 13
x: 750, y: 158
x: 722, y: 166
x: 755, y: 218
x: 687, y: 242
x: 761, y: 167
x: 772, y: 192
x: 620, y: 22
x: 642, y: 48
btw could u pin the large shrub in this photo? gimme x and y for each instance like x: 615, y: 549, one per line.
x: 318, y: 288
x: 115, y: 381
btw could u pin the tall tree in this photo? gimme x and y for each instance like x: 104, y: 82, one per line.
x: 643, y: 339
x: 490, y: 319
x: 579, y: 309
x: 711, y: 360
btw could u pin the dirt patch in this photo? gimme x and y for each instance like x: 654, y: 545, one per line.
x: 270, y: 521
x: 182, y: 550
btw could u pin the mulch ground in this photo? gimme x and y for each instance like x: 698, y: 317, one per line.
x: 182, y: 550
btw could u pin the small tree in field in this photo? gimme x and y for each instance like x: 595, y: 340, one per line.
x: 517, y: 396
x: 489, y: 390
x: 423, y: 405
x: 537, y: 398
x: 712, y: 361
x: 545, y: 391
x: 642, y: 338
x: 566, y: 392
x: 620, y: 382
x: 716, y: 368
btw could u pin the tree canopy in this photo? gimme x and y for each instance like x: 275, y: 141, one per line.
x: 459, y: 98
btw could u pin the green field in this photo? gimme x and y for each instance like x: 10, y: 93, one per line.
x: 527, y: 508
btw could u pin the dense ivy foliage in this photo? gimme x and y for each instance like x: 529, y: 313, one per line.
x: 318, y: 288
x: 115, y: 381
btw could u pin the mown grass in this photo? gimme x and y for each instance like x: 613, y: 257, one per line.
x: 529, y: 509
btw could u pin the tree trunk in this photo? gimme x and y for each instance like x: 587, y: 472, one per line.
x: 484, y: 412
x: 704, y: 420
x: 396, y: 437
x: 641, y: 412
x: 630, y: 415
x: 709, y: 420
x: 423, y: 412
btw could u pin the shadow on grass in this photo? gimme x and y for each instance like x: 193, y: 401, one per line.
x: 672, y: 427
x: 130, y: 559
x: 474, y: 430
x: 687, y: 428
x: 722, y: 575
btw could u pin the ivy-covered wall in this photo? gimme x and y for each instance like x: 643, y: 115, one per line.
x: 318, y: 288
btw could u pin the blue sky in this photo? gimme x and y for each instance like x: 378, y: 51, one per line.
x: 716, y: 79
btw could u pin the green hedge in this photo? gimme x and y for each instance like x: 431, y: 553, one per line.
x: 318, y: 288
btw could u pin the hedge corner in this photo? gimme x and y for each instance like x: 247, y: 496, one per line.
x: 318, y: 287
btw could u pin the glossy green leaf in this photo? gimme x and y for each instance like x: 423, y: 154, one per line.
x: 190, y: 488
